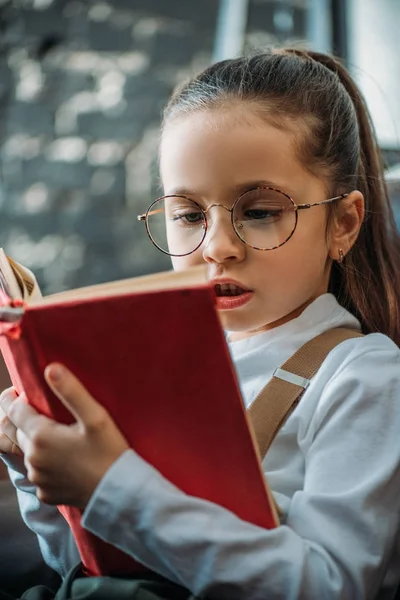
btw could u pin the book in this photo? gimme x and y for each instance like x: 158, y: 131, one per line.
x: 152, y: 351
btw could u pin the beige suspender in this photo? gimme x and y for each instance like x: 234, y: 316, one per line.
x: 279, y: 397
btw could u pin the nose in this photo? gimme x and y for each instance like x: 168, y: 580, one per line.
x: 221, y: 243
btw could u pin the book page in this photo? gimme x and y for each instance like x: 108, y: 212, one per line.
x: 9, y: 283
x: 26, y: 280
x: 193, y: 277
x: 16, y: 281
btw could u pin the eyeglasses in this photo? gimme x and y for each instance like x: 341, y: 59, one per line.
x: 263, y: 218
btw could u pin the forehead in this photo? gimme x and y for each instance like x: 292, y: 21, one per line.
x: 227, y: 147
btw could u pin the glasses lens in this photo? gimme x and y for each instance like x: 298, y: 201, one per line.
x: 176, y: 225
x: 264, y: 218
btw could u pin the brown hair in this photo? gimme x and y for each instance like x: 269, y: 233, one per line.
x: 340, y: 142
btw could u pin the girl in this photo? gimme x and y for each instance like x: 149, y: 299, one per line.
x: 274, y: 180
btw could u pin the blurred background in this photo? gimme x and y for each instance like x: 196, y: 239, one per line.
x: 82, y: 86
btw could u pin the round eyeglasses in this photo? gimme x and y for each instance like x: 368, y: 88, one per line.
x: 263, y: 218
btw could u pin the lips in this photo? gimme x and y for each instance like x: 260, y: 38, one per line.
x: 228, y: 289
x: 231, y: 294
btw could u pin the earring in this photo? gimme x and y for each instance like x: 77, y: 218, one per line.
x: 341, y: 256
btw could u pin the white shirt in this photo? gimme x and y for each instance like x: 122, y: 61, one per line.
x: 334, y: 468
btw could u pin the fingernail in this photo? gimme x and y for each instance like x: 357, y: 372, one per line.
x: 55, y: 372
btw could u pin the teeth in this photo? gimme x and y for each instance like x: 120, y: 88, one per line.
x: 228, y: 289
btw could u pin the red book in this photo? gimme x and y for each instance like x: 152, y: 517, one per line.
x: 152, y: 351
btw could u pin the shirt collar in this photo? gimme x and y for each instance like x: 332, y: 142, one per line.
x: 323, y: 313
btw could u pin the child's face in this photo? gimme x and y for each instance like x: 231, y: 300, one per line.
x: 216, y: 156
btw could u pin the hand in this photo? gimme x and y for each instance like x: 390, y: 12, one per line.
x: 8, y: 431
x: 66, y: 462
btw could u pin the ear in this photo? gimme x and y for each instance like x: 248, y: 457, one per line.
x: 346, y: 224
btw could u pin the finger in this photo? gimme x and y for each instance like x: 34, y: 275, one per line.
x: 8, y: 428
x: 73, y: 395
x: 7, y: 397
x: 23, y: 441
x: 6, y: 444
x: 6, y: 391
x: 9, y: 447
x: 24, y: 417
x: 8, y: 437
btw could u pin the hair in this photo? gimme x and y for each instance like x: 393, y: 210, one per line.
x: 292, y: 86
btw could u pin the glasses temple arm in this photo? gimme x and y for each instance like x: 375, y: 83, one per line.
x: 149, y: 214
x: 302, y: 206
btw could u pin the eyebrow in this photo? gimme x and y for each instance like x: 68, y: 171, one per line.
x: 238, y: 189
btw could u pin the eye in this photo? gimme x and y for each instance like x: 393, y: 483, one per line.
x: 190, y: 217
x: 262, y: 213
x: 262, y: 206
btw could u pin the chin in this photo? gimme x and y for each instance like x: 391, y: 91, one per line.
x: 234, y: 324
x: 240, y: 327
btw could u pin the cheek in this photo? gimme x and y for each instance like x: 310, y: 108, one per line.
x: 301, y: 262
x: 181, y: 263
x: 310, y: 238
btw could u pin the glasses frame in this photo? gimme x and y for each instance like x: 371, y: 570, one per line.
x: 296, y: 207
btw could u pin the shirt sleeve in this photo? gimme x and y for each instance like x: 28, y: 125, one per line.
x: 55, y: 539
x: 340, y: 528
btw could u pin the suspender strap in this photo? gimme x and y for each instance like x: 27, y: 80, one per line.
x: 280, y: 396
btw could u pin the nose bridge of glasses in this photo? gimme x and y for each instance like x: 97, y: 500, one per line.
x: 206, y: 210
x: 217, y: 220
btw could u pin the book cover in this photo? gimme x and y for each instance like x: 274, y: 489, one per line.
x: 159, y: 363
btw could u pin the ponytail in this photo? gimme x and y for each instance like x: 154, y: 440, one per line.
x: 370, y: 281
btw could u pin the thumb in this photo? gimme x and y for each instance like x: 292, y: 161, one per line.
x: 73, y: 394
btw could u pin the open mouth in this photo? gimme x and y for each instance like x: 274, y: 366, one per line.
x: 228, y: 289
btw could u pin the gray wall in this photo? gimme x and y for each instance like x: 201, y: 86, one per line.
x: 82, y: 86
